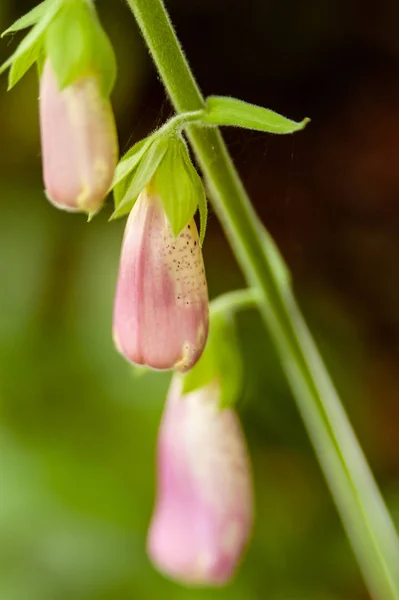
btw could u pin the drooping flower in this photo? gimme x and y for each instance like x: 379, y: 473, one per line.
x: 79, y: 142
x: 161, y: 303
x: 204, y: 508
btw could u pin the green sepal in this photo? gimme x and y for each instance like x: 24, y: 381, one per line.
x: 203, y: 211
x: 176, y: 185
x: 221, y: 110
x: 78, y: 46
x: 130, y: 160
x: 30, y: 19
x: 29, y: 50
x: 200, y: 195
x: 128, y: 189
x: 23, y: 63
x: 40, y: 61
x: 220, y: 360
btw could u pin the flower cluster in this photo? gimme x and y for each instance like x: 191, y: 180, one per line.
x: 203, y: 512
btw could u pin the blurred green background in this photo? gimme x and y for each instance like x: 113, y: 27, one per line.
x: 78, y: 429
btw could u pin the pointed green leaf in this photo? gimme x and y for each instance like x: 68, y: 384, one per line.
x: 30, y: 46
x: 78, y: 46
x: 23, y: 63
x: 125, y: 167
x: 30, y: 19
x: 131, y: 159
x: 200, y: 195
x: 175, y: 186
x: 119, y: 192
x: 221, y: 359
x: 40, y: 61
x: 133, y: 184
x: 221, y: 110
x: 203, y: 212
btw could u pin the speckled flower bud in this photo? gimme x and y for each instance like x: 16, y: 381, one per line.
x: 79, y: 142
x: 161, y: 303
x: 204, y: 508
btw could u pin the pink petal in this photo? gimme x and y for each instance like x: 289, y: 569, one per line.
x: 204, y: 510
x: 79, y: 143
x: 161, y: 304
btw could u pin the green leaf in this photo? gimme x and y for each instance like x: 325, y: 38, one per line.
x: 78, y: 46
x: 133, y: 185
x: 121, y: 181
x: 174, y: 184
x: 30, y: 19
x: 203, y: 209
x: 220, y: 360
x: 131, y: 159
x: 200, y: 195
x: 40, y: 60
x: 222, y: 110
x: 23, y: 63
x: 29, y: 48
x: 119, y: 192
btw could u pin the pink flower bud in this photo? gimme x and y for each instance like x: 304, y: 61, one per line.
x: 204, y: 509
x: 161, y: 304
x: 79, y: 142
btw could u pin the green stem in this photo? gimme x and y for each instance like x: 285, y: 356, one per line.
x: 232, y: 302
x: 359, y: 502
x: 180, y: 121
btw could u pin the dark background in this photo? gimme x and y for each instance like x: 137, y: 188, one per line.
x: 77, y: 427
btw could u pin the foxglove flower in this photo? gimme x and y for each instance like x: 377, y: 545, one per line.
x: 79, y: 142
x: 204, y: 509
x: 161, y: 304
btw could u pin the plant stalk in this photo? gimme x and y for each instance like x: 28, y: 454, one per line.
x: 361, y: 507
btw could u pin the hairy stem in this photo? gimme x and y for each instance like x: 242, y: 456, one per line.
x: 359, y: 502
